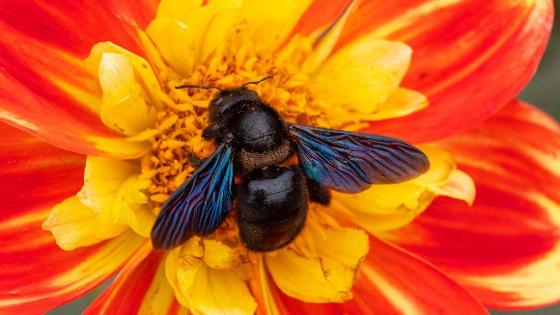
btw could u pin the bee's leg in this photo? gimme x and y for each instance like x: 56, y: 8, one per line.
x: 318, y: 193
x: 212, y: 132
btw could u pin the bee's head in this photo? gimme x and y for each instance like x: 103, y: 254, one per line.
x: 229, y: 99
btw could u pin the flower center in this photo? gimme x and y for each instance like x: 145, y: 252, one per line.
x: 185, y: 114
x: 179, y: 143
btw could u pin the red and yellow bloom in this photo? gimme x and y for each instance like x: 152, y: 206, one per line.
x: 97, y: 80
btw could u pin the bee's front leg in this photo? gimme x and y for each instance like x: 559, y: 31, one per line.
x: 194, y: 159
x: 212, y: 132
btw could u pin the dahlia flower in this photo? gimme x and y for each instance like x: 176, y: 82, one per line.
x: 95, y: 138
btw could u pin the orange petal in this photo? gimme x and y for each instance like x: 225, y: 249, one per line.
x: 470, y: 57
x: 35, y: 274
x: 138, y: 13
x: 140, y: 288
x: 38, y: 276
x: 505, y: 248
x: 44, y: 87
x: 320, y: 14
x: 390, y: 281
x: 33, y: 174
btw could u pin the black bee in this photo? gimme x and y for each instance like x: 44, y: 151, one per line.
x: 255, y: 143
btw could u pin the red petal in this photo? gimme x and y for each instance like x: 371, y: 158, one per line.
x: 506, y: 248
x: 134, y: 12
x: 34, y: 175
x: 140, y: 288
x: 43, y: 85
x: 126, y: 292
x: 391, y: 281
x: 35, y: 274
x: 470, y: 57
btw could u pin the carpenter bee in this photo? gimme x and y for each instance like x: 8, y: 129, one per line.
x: 256, y: 144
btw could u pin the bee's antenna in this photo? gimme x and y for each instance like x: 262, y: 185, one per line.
x: 257, y: 82
x: 186, y: 86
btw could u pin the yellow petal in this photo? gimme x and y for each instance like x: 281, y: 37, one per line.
x: 122, y: 148
x: 74, y: 225
x: 386, y: 207
x: 142, y: 69
x: 140, y: 219
x: 220, y: 292
x: 325, y: 277
x: 130, y: 206
x: 211, y: 25
x: 203, y: 289
x: 178, y: 9
x: 195, y: 30
x: 124, y: 108
x: 103, y: 178
x: 261, y: 286
x: 176, y: 41
x: 218, y: 255
x: 268, y: 23
x: 361, y: 76
x: 384, y: 199
x: 181, y: 266
x: 159, y: 296
x: 402, y: 102
x: 459, y: 185
x: 219, y: 26
x: 126, y: 148
x: 200, y: 29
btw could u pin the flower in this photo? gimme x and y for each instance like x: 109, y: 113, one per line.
x: 98, y: 79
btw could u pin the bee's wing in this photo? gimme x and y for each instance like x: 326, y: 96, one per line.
x: 351, y: 161
x: 200, y: 204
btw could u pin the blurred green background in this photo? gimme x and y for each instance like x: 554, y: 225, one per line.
x: 544, y: 88
x: 543, y: 91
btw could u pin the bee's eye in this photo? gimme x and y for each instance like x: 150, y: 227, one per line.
x: 218, y: 101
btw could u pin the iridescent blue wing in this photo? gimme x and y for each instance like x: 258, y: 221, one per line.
x: 351, y: 161
x: 199, y: 205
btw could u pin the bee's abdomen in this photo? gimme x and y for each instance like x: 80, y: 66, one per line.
x: 272, y: 206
